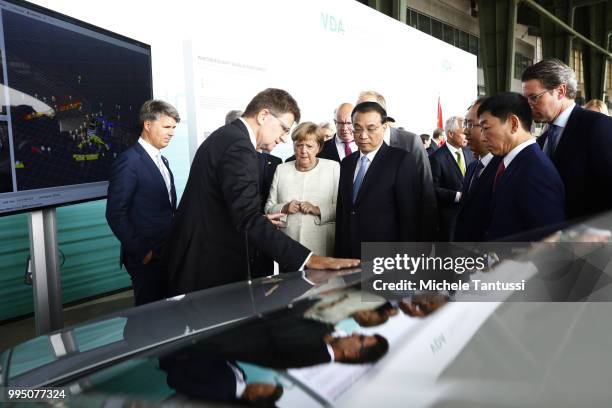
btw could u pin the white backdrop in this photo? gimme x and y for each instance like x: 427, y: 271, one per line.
x: 323, y: 52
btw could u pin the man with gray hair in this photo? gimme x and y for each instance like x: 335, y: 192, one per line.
x: 232, y: 116
x: 577, y: 141
x: 448, y: 168
x: 142, y: 201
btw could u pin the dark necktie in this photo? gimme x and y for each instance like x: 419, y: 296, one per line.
x: 552, y: 135
x: 476, y: 174
x: 347, y: 149
x: 500, y: 172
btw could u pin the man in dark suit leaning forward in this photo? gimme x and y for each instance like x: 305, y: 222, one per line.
x: 473, y: 215
x: 379, y: 192
x: 142, y: 200
x: 578, y: 141
x: 219, y: 220
x: 528, y: 193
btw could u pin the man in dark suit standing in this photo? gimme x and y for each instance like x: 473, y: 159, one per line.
x: 439, y: 138
x: 448, y: 166
x: 528, y: 193
x: 579, y: 142
x: 342, y: 144
x: 142, y: 200
x: 379, y: 192
x: 473, y: 215
x: 411, y: 143
x: 219, y: 220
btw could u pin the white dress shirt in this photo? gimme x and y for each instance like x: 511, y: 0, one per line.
x: 155, y: 155
x: 370, y: 157
x: 514, y: 152
x: 454, y: 151
x: 340, y: 146
x: 561, y: 121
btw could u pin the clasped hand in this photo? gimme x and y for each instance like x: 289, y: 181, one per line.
x: 304, y: 207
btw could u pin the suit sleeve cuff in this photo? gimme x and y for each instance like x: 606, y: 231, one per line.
x: 306, y: 261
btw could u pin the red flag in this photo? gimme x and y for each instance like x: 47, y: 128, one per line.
x: 440, y: 121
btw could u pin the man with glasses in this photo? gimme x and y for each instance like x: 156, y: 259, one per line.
x: 343, y: 143
x: 219, y: 220
x: 576, y: 140
x: 379, y: 193
x: 527, y: 197
x: 477, y: 187
x: 448, y: 167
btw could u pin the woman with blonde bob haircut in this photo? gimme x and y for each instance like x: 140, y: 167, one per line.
x: 597, y: 105
x: 306, y: 190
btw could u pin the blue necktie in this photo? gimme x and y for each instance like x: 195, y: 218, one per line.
x: 360, y: 175
x: 552, y: 134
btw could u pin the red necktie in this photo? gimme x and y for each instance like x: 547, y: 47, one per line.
x: 500, y: 172
x: 347, y: 149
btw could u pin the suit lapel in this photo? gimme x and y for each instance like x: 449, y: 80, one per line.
x: 565, y: 144
x: 333, y: 150
x: 370, y: 176
x: 172, y: 188
x: 452, y: 162
x: 155, y: 173
x: 393, y: 139
x: 150, y: 166
x: 348, y: 183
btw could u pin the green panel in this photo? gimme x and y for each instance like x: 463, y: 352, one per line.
x: 594, y: 18
x: 91, y: 258
x: 556, y: 42
x: 497, y: 20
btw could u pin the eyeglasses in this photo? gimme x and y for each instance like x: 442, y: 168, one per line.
x: 286, y: 129
x: 343, y: 124
x: 470, y: 125
x: 357, y: 131
x: 536, y: 98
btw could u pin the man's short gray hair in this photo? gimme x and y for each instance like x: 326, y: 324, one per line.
x: 552, y: 73
x: 154, y: 109
x: 232, y: 116
x: 452, y: 124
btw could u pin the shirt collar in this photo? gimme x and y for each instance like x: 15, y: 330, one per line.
x: 251, y: 133
x: 486, y: 159
x: 371, y: 154
x: 339, y: 141
x: 453, y: 149
x: 563, y: 117
x: 149, y: 148
x: 387, y: 136
x: 514, y: 152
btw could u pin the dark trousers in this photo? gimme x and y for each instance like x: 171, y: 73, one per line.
x: 148, y: 281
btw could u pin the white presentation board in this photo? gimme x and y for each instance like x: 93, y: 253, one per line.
x: 323, y: 52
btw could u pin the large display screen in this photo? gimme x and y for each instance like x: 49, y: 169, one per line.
x: 70, y: 95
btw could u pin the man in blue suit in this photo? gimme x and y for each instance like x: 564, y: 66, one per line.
x: 578, y: 141
x: 142, y: 200
x: 528, y: 193
x: 473, y: 215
